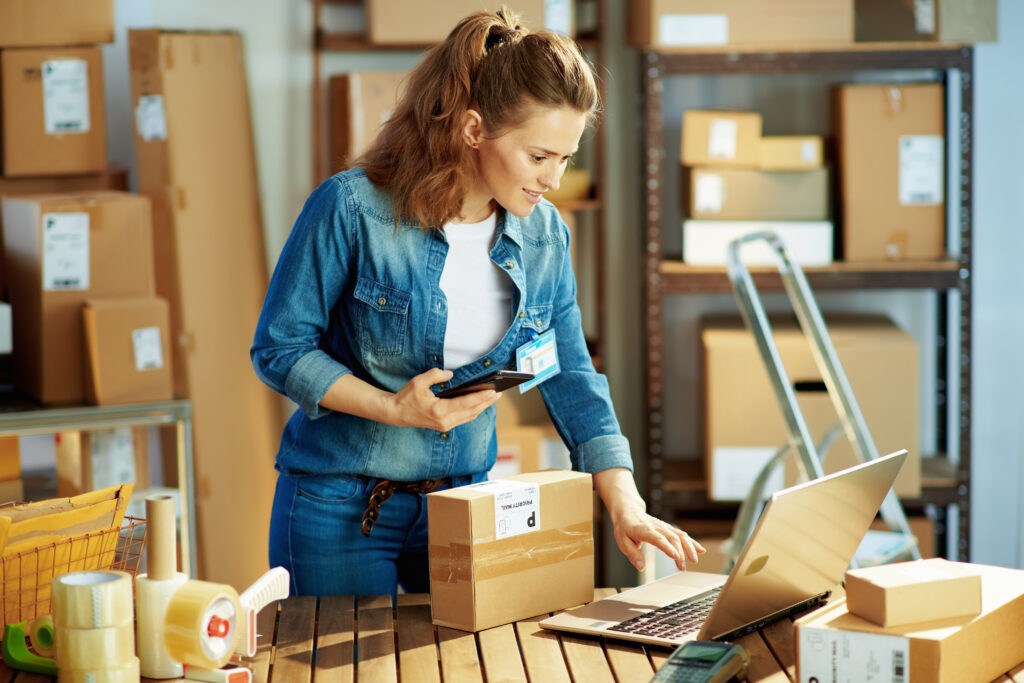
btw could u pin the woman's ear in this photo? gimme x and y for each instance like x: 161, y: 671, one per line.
x: 472, y: 127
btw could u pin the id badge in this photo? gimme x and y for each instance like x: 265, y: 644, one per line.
x: 539, y: 356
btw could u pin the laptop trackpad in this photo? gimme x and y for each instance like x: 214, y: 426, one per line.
x: 651, y: 596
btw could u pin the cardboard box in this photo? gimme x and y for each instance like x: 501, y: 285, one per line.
x: 705, y: 243
x: 25, y: 23
x: 529, y: 536
x: 743, y: 194
x: 53, y: 111
x: 791, y: 152
x: 361, y: 101
x: 61, y: 250
x: 10, y: 458
x: 129, y: 345
x: 742, y: 421
x: 527, y: 441
x: 912, y: 592
x: 946, y: 21
x: 411, y: 22
x: 12, y: 491
x: 891, y: 141
x: 575, y: 184
x: 691, y: 23
x: 833, y: 644
x: 714, y: 137
x: 92, y: 460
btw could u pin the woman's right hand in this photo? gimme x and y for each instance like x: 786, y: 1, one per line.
x: 415, y: 405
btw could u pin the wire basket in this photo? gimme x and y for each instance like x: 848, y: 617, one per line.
x: 25, y: 577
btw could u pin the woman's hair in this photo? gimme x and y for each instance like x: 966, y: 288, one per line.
x: 490, y: 63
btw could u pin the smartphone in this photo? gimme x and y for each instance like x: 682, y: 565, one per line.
x: 700, y: 661
x: 499, y: 381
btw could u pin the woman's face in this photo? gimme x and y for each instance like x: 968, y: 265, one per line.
x: 518, y: 165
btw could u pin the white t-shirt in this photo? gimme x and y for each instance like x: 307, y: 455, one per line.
x: 479, y: 293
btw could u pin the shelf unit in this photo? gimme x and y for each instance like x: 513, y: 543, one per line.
x: 676, y: 485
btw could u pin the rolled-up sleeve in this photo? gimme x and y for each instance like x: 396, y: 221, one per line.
x: 308, y: 280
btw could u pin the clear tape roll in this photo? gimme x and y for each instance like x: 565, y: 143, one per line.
x: 40, y: 633
x: 129, y: 673
x: 151, y: 600
x: 201, y: 624
x: 92, y: 599
x: 88, y: 649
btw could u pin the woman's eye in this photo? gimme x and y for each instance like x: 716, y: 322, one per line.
x: 537, y: 159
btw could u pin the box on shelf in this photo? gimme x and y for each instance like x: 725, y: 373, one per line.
x: 809, y: 243
x: 742, y: 421
x: 90, y: 460
x: 54, y: 112
x: 28, y: 23
x: 791, y: 152
x: 717, y: 137
x: 833, y: 644
x: 530, y: 536
x: 527, y: 441
x: 12, y: 491
x: 410, y: 22
x: 129, y: 350
x: 891, y: 146
x: 750, y: 194
x: 695, y: 23
x: 944, y: 21
x: 923, y: 529
x: 360, y: 102
x: 60, y: 250
x: 575, y: 184
x: 906, y: 593
x: 10, y: 458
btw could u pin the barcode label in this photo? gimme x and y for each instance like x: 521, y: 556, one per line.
x: 899, y: 669
x: 831, y: 655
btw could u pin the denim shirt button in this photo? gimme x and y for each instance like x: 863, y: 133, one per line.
x: 488, y: 362
x: 510, y: 264
x: 538, y: 321
x: 381, y: 301
x: 522, y: 314
x: 444, y: 435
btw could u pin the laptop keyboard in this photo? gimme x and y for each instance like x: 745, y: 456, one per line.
x: 673, y: 620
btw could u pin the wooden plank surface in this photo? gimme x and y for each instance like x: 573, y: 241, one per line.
x: 266, y: 636
x: 293, y: 652
x: 499, y: 651
x: 335, y: 640
x: 376, y: 639
x: 542, y: 652
x: 418, y: 660
x: 779, y: 638
x: 459, y: 661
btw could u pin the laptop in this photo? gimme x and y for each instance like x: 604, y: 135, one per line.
x: 800, y: 549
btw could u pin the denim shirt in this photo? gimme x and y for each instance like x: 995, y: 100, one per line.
x: 354, y: 293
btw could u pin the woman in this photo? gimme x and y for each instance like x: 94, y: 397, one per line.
x: 428, y: 265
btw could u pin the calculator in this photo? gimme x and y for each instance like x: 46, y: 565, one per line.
x: 704, y: 661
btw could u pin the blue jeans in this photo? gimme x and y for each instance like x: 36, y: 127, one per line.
x: 315, y: 534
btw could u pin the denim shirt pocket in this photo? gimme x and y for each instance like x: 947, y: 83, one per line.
x: 536, y: 321
x: 382, y: 314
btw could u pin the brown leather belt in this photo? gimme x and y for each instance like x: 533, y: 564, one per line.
x: 386, y: 488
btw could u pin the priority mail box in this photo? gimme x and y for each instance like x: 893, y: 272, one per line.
x: 752, y: 194
x: 911, y: 592
x: 713, y: 137
x: 946, y: 21
x: 510, y: 549
x: 53, y: 111
x: 26, y: 23
x: 834, y: 645
x: 61, y: 250
x: 742, y: 420
x: 412, y: 22
x: 361, y: 101
x: 706, y: 243
x: 791, y: 152
x: 892, y: 170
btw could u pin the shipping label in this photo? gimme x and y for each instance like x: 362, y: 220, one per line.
x: 150, y: 118
x: 65, y: 251
x: 722, y: 139
x: 834, y: 656
x: 708, y: 192
x: 693, y: 29
x: 921, y: 170
x: 516, y: 506
x: 558, y: 16
x: 149, y: 354
x: 66, y: 96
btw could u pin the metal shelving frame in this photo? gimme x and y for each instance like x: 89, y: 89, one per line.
x: 945, y: 482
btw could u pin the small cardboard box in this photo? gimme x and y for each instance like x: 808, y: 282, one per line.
x: 833, y: 644
x: 510, y: 549
x: 705, y: 243
x: 88, y: 460
x: 412, y: 22
x: 59, y: 251
x: 361, y: 101
x: 791, y: 152
x: 912, y: 592
x: 743, y: 194
x: 26, y: 23
x: 721, y: 138
x: 690, y: 23
x: 10, y: 458
x: 891, y: 145
x: 53, y: 111
x: 129, y: 347
x: 945, y: 21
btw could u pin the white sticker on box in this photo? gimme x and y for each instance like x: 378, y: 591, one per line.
x: 65, y: 96
x: 65, y: 251
x: 693, y: 29
x: 722, y: 139
x: 150, y: 118
x: 516, y: 506
x: 558, y: 16
x: 708, y: 193
x: 924, y: 16
x: 149, y: 353
x: 808, y: 151
x: 834, y: 656
x: 921, y: 170
x: 734, y: 469
x: 112, y: 457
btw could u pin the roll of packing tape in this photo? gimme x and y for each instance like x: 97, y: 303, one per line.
x: 40, y: 633
x: 201, y: 624
x: 129, y: 673
x: 92, y: 599
x: 87, y: 649
x: 151, y: 600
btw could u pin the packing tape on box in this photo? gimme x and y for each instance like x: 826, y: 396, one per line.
x: 461, y: 562
x: 201, y: 624
x: 40, y: 633
x: 129, y: 673
x: 151, y: 600
x: 88, y: 649
x: 92, y: 599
